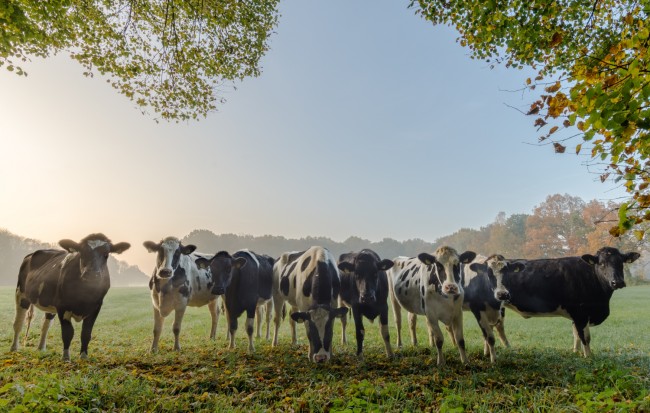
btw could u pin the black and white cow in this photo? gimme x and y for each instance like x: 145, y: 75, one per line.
x: 71, y: 284
x: 177, y: 282
x: 430, y: 285
x: 364, y: 288
x: 485, y: 296
x: 578, y: 288
x: 246, y: 280
x: 309, y: 282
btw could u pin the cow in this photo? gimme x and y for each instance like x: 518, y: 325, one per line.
x: 71, y: 284
x: 309, y: 281
x: 429, y: 285
x: 245, y: 279
x: 485, y: 296
x: 364, y: 289
x: 176, y: 283
x: 577, y: 288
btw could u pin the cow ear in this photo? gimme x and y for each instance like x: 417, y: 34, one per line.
x: 69, y: 245
x: 427, y: 259
x: 386, y: 265
x: 478, y: 267
x: 340, y: 312
x: 239, y: 262
x: 187, y: 249
x: 630, y: 257
x: 516, y: 266
x: 467, y: 257
x: 590, y: 259
x: 120, y: 247
x: 346, y: 266
x: 203, y: 263
x: 300, y: 316
x: 151, y: 246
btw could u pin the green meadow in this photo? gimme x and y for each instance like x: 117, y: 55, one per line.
x: 539, y: 373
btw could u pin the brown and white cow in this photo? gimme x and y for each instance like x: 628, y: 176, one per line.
x: 309, y: 281
x: 430, y: 285
x: 71, y: 284
x: 177, y: 282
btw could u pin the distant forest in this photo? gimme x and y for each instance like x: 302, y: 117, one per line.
x: 13, y: 249
x: 562, y: 225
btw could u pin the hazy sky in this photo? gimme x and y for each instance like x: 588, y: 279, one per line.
x: 366, y: 121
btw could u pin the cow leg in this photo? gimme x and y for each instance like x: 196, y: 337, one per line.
x: 157, y: 329
x: 19, y: 320
x: 258, y: 317
x: 278, y: 308
x: 383, y: 329
x: 344, y: 324
x: 292, y: 324
x: 47, y: 322
x: 450, y: 333
x: 501, y: 327
x: 269, y: 309
x: 488, y: 335
x: 582, y: 331
x: 214, y: 315
x: 457, y: 328
x: 176, y: 327
x: 359, y: 330
x: 87, y: 332
x: 250, y: 322
x: 232, y: 327
x: 67, y: 333
x: 413, y: 319
x: 438, y: 338
x: 397, y: 313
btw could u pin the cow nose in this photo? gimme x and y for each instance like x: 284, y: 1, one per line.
x: 218, y: 290
x: 320, y: 358
x: 503, y: 296
x: 618, y: 284
x: 450, y: 289
x: 367, y: 298
x: 165, y: 273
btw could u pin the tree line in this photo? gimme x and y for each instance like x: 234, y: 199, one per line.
x: 562, y: 225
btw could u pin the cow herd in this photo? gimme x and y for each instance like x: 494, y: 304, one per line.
x: 319, y: 289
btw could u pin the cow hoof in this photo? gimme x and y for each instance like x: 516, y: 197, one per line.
x: 13, y: 348
x: 66, y: 356
x: 84, y: 356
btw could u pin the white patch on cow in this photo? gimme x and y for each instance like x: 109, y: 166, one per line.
x: 69, y: 315
x: 448, y: 258
x: 95, y: 243
x: 320, y: 317
x: 497, y: 264
x: 67, y: 258
x: 253, y: 257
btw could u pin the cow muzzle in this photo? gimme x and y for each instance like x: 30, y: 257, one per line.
x: 503, y: 296
x: 617, y: 284
x: 367, y: 298
x: 218, y: 290
x: 450, y: 289
x: 164, y: 273
x: 320, y: 358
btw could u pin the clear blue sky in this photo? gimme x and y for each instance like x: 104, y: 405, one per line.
x: 366, y: 121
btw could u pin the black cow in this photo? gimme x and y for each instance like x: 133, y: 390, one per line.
x: 485, y: 296
x: 246, y: 279
x: 364, y: 288
x: 309, y: 281
x: 578, y: 288
x: 70, y: 283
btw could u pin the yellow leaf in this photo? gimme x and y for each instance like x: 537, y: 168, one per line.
x: 578, y: 147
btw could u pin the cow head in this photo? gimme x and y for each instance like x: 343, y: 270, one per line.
x: 319, y: 321
x: 169, y: 253
x: 93, y: 253
x: 494, y: 268
x: 608, y: 265
x: 365, y: 270
x: 447, y: 265
x: 221, y: 266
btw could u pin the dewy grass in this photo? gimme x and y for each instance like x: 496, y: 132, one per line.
x: 539, y: 373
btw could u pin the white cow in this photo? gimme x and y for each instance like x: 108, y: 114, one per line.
x: 429, y: 285
x: 176, y: 283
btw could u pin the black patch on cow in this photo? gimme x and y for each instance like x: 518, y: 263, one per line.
x: 50, y: 316
x: 305, y: 264
x: 184, y: 291
x: 422, y: 302
x: 284, y: 285
x: 422, y: 290
x: 306, y: 287
x: 461, y: 344
x: 180, y: 278
x: 24, y: 303
x: 407, y: 283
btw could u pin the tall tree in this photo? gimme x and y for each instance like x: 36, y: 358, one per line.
x: 173, y: 57
x: 592, y: 56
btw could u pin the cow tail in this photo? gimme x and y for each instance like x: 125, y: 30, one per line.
x: 30, y: 317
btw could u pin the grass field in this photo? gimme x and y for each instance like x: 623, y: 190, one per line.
x: 539, y: 373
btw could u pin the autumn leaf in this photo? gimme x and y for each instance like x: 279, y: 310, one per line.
x: 558, y: 147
